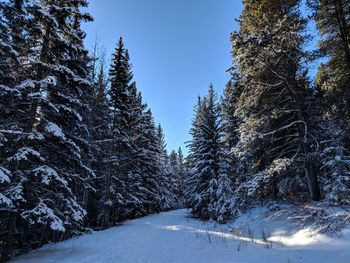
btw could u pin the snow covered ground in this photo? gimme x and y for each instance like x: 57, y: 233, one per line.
x: 171, y: 237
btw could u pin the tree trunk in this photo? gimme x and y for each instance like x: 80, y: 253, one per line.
x: 310, y: 167
x: 312, y: 174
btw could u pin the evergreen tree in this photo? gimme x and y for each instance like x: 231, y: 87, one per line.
x: 276, y: 143
x: 205, y: 149
x: 230, y: 126
x: 169, y: 183
x: 71, y: 155
x: 174, y: 161
x: 333, y: 22
x: 99, y: 137
x: 120, y: 75
x: 193, y: 177
x: 181, y: 160
x: 134, y: 144
x: 149, y: 150
x: 53, y: 79
x: 332, y: 83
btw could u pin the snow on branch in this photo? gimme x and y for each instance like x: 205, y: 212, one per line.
x: 4, y: 175
x: 262, y: 135
x: 55, y: 130
x: 24, y: 153
x: 5, y: 201
x: 48, y: 175
x: 42, y: 214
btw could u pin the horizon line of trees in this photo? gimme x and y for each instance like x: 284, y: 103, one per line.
x: 276, y: 134
x: 79, y: 148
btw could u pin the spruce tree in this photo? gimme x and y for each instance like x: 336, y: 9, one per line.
x: 72, y: 156
x: 276, y: 139
x: 174, y: 161
x: 135, y: 189
x: 53, y: 79
x: 332, y: 83
x: 120, y: 75
x: 169, y: 184
x: 99, y: 138
x: 193, y: 177
x: 230, y: 127
x: 181, y: 160
x: 150, y: 165
x: 205, y: 153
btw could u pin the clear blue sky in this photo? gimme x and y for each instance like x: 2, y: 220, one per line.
x: 177, y: 47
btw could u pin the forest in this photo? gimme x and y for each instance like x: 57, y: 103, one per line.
x: 80, y: 150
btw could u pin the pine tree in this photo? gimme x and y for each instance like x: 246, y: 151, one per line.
x: 169, y: 183
x: 205, y: 154
x: 14, y: 109
x: 230, y: 126
x: 275, y: 133
x: 332, y: 83
x: 192, y: 177
x: 332, y: 21
x: 99, y: 137
x: 120, y: 75
x: 181, y: 160
x: 135, y: 189
x: 183, y: 171
x: 8, y: 102
x: 53, y: 79
x: 71, y: 155
x: 174, y: 161
x: 149, y: 150
x: 140, y: 193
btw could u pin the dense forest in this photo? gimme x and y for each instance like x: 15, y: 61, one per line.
x: 276, y: 133
x: 80, y: 150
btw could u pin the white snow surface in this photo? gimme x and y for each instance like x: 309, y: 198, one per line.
x: 171, y: 237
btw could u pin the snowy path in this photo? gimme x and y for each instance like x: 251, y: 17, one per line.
x: 172, y: 238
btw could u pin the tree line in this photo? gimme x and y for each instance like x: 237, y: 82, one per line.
x: 276, y: 133
x: 79, y: 148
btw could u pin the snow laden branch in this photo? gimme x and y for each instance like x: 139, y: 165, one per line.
x: 262, y: 135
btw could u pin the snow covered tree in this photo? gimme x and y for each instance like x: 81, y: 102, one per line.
x: 276, y: 144
x: 230, y: 126
x: 99, y: 138
x: 192, y: 177
x: 120, y: 76
x: 168, y: 180
x: 174, y: 161
x: 332, y: 83
x: 8, y: 54
x: 143, y: 193
x: 67, y: 148
x: 333, y: 22
x: 181, y: 160
x: 135, y: 190
x: 9, y: 98
x: 149, y: 150
x: 206, y: 156
x: 335, y: 161
x: 46, y: 187
x: 14, y: 109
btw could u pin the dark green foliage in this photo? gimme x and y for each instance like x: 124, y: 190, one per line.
x: 204, y: 189
x: 71, y: 156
